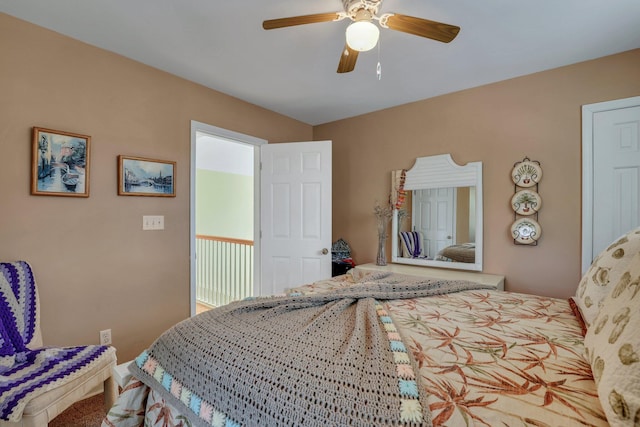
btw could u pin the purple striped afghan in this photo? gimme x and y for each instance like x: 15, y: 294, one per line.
x: 24, y: 373
x: 411, y: 243
x: 18, y: 303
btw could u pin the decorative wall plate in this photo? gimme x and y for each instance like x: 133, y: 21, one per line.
x: 526, y: 174
x: 526, y: 231
x: 526, y: 202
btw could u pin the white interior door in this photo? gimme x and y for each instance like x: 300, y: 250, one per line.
x: 434, y: 217
x: 611, y: 173
x: 295, y: 214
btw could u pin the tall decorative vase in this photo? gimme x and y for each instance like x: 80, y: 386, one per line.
x: 381, y: 258
x: 383, y: 215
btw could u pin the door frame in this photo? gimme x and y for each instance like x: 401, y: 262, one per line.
x: 588, y: 113
x: 240, y: 138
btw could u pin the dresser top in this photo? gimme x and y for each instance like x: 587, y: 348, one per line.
x: 438, y: 273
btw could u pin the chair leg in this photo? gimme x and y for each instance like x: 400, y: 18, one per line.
x: 110, y: 393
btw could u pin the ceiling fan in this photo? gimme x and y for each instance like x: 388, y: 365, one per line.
x: 362, y: 34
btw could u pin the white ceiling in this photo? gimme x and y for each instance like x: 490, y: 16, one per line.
x: 221, y: 45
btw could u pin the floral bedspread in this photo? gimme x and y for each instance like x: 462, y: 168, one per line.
x: 486, y: 358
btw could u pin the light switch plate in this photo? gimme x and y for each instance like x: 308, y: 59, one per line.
x: 153, y: 222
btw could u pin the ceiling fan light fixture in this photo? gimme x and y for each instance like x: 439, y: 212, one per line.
x: 362, y: 35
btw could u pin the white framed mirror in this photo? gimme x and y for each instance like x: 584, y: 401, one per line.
x: 444, y: 205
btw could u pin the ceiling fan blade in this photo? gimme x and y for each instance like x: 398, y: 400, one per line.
x: 422, y: 27
x: 300, y: 20
x: 347, y: 60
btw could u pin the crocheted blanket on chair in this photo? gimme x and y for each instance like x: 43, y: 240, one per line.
x: 17, y: 312
x: 26, y: 373
x: 312, y: 360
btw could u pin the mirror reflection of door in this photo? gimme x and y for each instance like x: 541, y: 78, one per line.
x: 444, y: 217
x: 434, y: 216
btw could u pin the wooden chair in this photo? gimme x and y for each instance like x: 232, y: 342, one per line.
x: 81, y: 371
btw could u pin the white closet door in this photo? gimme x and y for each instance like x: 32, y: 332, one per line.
x: 611, y: 173
x: 616, y: 175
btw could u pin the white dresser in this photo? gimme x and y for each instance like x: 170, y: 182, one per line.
x: 438, y: 273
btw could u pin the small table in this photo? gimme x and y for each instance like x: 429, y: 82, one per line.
x: 338, y: 268
x: 121, y: 374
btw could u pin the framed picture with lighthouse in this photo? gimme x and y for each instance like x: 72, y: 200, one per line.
x: 60, y: 163
x: 138, y: 176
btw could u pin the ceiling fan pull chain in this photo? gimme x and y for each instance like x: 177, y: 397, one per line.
x: 379, y: 67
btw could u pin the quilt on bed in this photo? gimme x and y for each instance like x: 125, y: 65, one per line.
x: 485, y: 358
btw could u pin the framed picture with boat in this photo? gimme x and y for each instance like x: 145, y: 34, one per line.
x: 138, y: 176
x: 60, y: 163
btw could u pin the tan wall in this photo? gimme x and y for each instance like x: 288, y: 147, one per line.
x: 95, y: 267
x: 538, y: 116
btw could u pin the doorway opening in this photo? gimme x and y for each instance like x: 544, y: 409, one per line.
x: 224, y: 216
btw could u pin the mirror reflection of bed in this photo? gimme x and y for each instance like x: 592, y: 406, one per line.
x: 443, y: 222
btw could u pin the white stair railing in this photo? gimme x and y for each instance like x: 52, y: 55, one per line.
x: 224, y: 269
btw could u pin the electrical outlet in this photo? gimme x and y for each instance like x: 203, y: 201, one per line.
x: 105, y: 337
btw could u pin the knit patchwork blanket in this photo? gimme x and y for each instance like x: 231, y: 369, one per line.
x: 25, y: 373
x: 312, y: 360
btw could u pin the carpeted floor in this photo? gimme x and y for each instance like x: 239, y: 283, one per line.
x: 86, y: 413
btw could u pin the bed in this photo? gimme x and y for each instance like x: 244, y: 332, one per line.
x: 478, y: 357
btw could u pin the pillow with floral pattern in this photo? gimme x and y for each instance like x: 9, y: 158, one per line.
x: 612, y: 346
x: 606, y: 269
